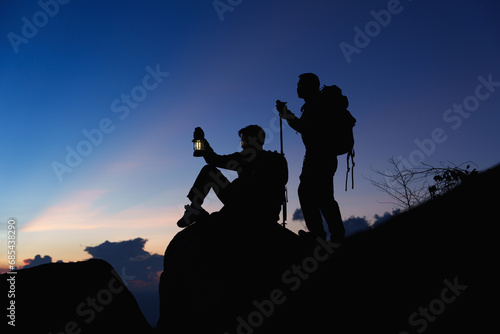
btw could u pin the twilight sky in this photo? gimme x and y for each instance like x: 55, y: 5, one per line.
x: 99, y: 100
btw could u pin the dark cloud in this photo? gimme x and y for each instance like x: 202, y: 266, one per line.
x: 385, y: 217
x: 38, y: 260
x: 355, y: 225
x: 139, y: 269
x: 130, y: 260
x: 297, y: 215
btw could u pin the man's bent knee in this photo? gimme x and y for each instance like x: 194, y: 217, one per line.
x: 209, y: 169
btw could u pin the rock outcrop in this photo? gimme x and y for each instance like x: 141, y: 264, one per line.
x: 427, y: 270
x: 81, y: 297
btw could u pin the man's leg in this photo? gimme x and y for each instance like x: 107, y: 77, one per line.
x: 331, y: 211
x: 329, y: 206
x: 309, y: 197
x: 208, y: 178
x: 310, y: 208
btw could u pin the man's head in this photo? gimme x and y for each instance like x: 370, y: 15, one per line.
x: 308, y: 85
x: 252, y: 136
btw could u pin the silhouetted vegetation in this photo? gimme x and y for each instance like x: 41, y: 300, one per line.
x: 409, y: 187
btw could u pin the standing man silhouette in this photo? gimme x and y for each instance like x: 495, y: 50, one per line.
x: 319, y: 166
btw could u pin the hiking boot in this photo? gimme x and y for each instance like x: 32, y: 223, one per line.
x: 191, y: 215
x: 311, y: 235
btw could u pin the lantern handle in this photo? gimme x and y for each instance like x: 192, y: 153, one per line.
x: 198, y: 133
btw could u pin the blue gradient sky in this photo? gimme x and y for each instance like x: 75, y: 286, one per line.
x: 222, y: 76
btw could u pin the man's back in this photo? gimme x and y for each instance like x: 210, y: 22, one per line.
x: 262, y: 184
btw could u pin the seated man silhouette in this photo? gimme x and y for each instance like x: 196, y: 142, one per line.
x: 257, y: 192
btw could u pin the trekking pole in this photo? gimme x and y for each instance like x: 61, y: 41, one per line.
x: 283, y: 154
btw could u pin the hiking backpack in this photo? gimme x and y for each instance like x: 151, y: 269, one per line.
x: 341, y: 125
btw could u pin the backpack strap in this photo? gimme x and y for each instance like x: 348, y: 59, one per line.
x: 351, y: 155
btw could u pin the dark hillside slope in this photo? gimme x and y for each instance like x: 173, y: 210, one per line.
x: 429, y: 269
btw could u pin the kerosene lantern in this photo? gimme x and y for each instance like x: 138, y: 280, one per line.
x: 198, y: 142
